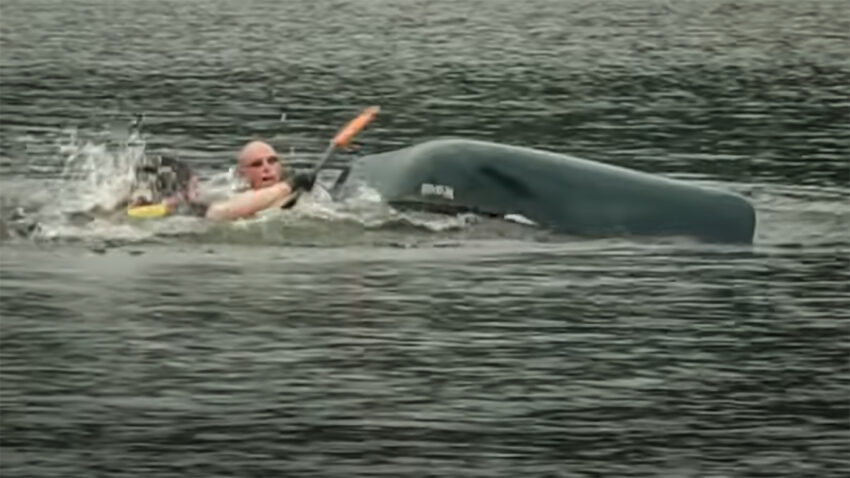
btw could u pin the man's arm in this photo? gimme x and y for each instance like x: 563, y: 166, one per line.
x: 248, y: 203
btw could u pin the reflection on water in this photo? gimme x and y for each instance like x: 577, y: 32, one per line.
x: 352, y: 340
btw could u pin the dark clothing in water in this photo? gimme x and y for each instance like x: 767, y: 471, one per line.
x: 160, y: 177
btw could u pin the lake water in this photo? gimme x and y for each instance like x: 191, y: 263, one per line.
x: 355, y: 340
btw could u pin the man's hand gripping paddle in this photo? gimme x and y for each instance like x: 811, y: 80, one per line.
x: 342, y: 138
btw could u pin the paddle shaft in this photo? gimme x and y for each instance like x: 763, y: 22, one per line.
x: 324, y: 159
x: 293, y: 197
x: 342, y: 138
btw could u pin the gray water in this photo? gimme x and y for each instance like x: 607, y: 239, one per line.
x: 360, y: 341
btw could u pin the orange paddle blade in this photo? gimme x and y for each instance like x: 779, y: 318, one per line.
x: 354, y: 126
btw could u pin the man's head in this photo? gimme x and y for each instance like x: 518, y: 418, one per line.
x: 259, y: 164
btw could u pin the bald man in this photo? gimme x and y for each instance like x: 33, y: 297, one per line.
x: 259, y: 165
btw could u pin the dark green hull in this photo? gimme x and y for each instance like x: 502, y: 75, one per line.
x: 564, y: 193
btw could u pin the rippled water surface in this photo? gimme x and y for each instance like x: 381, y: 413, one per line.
x: 352, y: 340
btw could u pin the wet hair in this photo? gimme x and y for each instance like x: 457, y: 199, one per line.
x: 158, y: 177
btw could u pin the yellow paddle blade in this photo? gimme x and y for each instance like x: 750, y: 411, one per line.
x: 150, y: 211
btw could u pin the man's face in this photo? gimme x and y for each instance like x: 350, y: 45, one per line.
x: 260, y: 166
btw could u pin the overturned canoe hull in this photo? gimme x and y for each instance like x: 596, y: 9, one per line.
x: 561, y: 192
